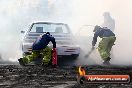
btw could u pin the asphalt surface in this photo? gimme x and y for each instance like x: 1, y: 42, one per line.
x: 16, y: 76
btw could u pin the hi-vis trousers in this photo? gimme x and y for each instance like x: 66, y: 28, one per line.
x: 105, y: 46
x: 45, y: 55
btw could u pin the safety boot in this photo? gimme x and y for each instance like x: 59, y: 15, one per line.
x: 38, y: 60
x: 107, y: 61
x: 21, y: 62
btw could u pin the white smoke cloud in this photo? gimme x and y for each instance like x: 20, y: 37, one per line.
x: 91, y: 11
x: 16, y: 15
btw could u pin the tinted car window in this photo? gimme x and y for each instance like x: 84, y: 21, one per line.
x: 55, y: 28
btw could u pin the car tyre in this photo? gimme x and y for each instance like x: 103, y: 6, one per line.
x: 21, y: 62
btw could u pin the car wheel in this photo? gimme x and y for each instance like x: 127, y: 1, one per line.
x: 74, y: 56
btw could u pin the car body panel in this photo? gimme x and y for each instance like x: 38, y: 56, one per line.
x: 64, y: 41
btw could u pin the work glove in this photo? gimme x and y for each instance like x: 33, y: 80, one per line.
x: 54, y: 49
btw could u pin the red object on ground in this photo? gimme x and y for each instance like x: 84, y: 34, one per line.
x: 54, y: 56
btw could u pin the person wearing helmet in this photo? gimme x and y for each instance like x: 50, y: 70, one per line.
x: 40, y: 50
x: 105, y: 45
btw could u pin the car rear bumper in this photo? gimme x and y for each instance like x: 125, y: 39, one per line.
x: 68, y: 50
x: 61, y: 50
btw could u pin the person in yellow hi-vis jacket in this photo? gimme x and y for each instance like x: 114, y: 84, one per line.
x: 105, y: 45
x: 40, y: 51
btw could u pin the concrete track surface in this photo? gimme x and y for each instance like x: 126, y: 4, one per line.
x: 16, y: 76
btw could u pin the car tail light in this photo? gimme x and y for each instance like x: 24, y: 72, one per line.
x: 71, y: 49
x: 30, y: 49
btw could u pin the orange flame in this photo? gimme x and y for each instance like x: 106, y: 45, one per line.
x: 81, y: 71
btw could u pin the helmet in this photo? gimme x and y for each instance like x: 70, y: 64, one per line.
x: 96, y: 28
x: 47, y: 33
x: 105, y: 14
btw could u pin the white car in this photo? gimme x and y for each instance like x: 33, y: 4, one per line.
x: 63, y: 36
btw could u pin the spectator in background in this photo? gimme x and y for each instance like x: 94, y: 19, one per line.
x: 109, y: 22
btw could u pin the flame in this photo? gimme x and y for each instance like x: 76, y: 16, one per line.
x: 81, y: 71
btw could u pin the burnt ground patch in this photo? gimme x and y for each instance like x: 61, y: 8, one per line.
x: 16, y: 76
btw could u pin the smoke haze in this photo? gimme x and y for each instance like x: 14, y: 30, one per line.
x: 17, y: 15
